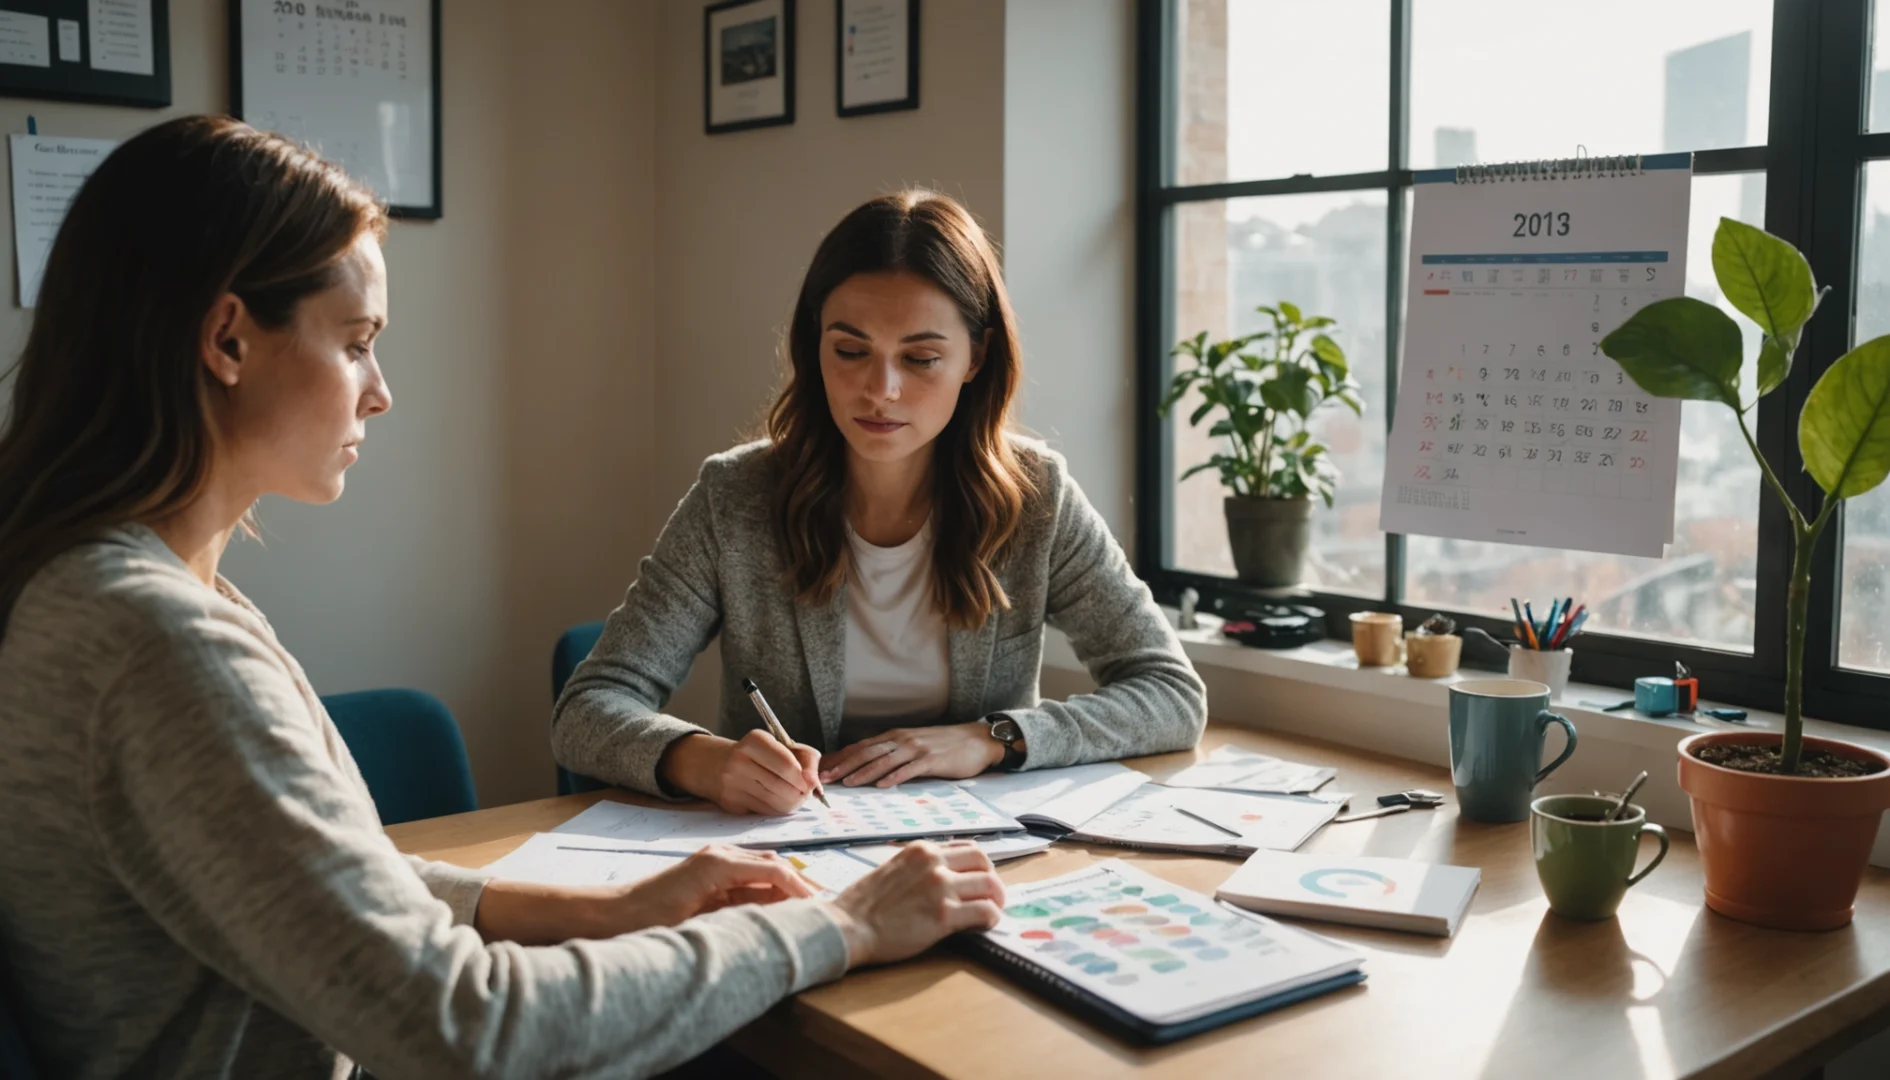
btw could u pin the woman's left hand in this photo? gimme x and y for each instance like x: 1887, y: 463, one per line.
x: 952, y: 751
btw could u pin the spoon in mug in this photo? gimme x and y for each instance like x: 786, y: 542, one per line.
x: 1626, y: 795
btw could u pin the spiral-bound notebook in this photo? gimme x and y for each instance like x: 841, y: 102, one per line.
x: 1511, y: 423
x: 1154, y: 961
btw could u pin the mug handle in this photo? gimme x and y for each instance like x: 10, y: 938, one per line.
x: 1545, y: 718
x: 1659, y: 832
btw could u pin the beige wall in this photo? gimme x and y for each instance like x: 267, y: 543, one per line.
x: 740, y: 214
x: 1069, y: 212
x: 520, y: 358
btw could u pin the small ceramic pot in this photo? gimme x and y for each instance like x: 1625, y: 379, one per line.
x: 1432, y: 656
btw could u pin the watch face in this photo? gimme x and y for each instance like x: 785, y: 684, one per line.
x: 1005, y: 730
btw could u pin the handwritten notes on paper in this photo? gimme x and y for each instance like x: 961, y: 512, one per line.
x: 47, y: 173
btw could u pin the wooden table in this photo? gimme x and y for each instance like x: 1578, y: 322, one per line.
x: 1666, y: 989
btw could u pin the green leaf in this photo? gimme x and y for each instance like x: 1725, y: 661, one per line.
x: 1221, y: 427
x: 1844, y: 432
x: 1203, y: 467
x: 1290, y: 391
x: 1314, y: 322
x: 1206, y: 407
x: 1329, y: 355
x: 1775, y: 362
x: 1291, y: 311
x: 1680, y: 348
x: 1764, y: 277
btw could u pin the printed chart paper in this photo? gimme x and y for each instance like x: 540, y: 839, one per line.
x: 909, y: 811
x: 1158, y: 950
x: 1511, y: 424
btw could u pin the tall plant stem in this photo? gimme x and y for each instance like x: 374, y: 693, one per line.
x: 1797, y: 604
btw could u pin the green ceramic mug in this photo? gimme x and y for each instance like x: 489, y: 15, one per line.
x: 1586, y: 864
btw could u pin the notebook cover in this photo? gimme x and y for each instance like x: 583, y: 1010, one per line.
x: 1114, y: 1018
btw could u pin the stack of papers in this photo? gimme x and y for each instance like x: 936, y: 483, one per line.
x: 1233, y: 769
x: 859, y: 815
x: 1392, y: 894
x: 1158, y: 818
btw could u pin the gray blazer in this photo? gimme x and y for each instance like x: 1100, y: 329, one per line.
x: 718, y: 567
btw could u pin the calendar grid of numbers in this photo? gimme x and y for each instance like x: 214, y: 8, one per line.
x: 1511, y: 424
x: 353, y: 78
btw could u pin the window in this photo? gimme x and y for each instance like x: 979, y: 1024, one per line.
x: 1290, y: 179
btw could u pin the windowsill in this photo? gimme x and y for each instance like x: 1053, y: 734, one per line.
x: 1398, y: 709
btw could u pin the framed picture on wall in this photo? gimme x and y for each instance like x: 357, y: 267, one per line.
x: 876, y: 51
x: 359, y: 81
x: 747, y: 65
x: 102, y: 52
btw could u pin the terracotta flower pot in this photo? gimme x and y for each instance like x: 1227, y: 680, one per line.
x: 1783, y: 851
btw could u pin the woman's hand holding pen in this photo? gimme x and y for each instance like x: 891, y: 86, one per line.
x: 752, y: 775
x: 951, y: 751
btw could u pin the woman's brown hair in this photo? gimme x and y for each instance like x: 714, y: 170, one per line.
x: 109, y: 420
x: 978, y: 484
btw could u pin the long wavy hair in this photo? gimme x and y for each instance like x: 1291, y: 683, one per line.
x: 110, y: 418
x: 978, y: 484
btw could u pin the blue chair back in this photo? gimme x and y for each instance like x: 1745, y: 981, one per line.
x: 573, y: 646
x: 410, y: 752
x: 15, y: 1062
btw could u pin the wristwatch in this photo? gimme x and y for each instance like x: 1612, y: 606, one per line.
x: 1007, y: 731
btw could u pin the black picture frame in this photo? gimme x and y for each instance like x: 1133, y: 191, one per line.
x: 66, y: 80
x: 430, y: 211
x: 784, y: 65
x: 910, y: 101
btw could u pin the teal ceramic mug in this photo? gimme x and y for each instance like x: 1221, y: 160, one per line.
x: 1497, y: 731
x: 1586, y: 864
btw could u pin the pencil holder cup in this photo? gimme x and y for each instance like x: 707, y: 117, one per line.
x: 1546, y: 666
x: 1431, y: 656
x: 1375, y: 637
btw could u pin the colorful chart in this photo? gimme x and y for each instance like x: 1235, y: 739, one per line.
x: 1126, y: 932
x: 1347, y: 882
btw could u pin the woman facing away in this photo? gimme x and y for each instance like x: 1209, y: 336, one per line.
x: 195, y: 882
x: 884, y: 563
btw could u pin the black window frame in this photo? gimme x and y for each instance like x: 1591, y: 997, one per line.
x: 1813, y: 160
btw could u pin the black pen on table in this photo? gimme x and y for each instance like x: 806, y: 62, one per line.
x: 775, y: 729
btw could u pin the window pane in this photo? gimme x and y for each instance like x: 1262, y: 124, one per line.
x: 1863, y: 624
x: 1273, y: 88
x: 1877, y: 116
x: 1497, y: 80
x: 1326, y: 253
x: 1703, y: 591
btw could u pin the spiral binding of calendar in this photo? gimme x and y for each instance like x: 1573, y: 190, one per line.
x: 1575, y: 168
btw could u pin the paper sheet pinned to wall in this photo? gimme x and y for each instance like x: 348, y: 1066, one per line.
x: 47, y: 172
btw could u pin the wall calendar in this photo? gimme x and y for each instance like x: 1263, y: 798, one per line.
x: 1511, y: 423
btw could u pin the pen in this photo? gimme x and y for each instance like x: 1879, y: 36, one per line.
x: 1568, y: 626
x: 1580, y: 618
x: 1517, y: 611
x: 775, y: 729
x: 1529, y: 624
x: 1210, y: 824
x: 1549, y: 623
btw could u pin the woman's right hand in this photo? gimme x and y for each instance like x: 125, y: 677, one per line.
x: 920, y: 895
x: 752, y: 775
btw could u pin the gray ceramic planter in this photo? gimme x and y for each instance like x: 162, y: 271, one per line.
x: 1269, y: 538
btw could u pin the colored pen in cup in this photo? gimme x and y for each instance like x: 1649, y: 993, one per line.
x: 774, y: 728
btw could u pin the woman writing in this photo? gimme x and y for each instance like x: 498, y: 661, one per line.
x: 195, y: 880
x: 884, y: 563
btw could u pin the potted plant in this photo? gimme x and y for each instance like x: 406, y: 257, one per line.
x: 1784, y: 823
x: 1261, y: 390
